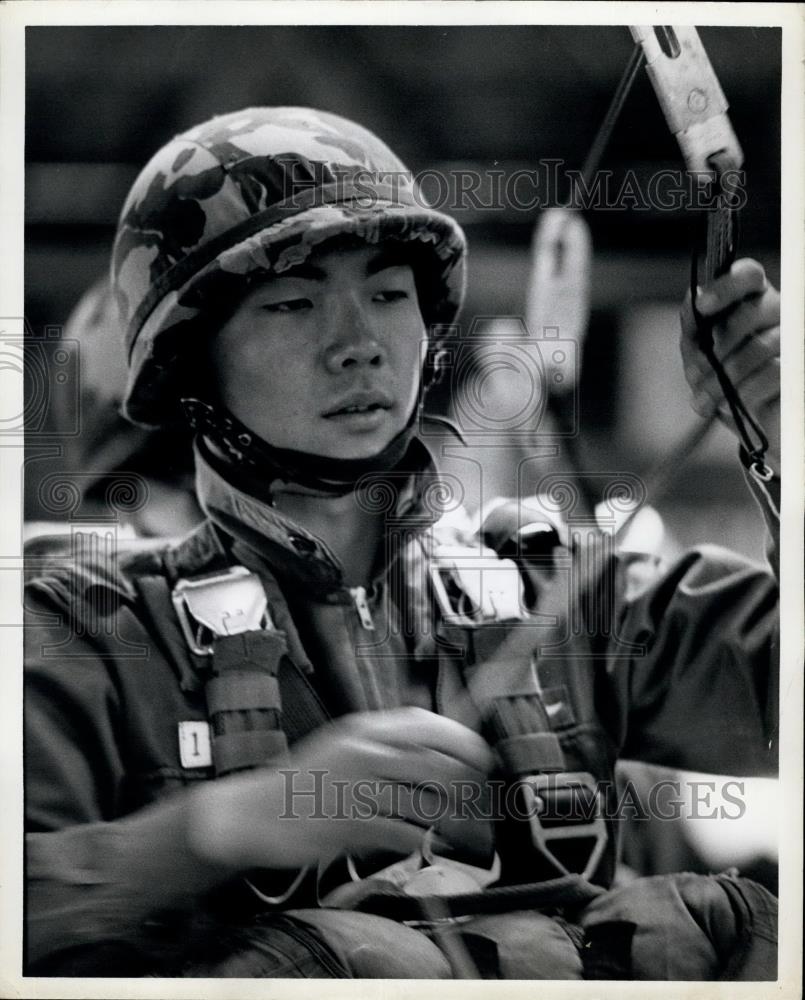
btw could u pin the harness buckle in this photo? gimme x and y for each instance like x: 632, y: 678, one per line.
x: 554, y: 827
x: 478, y: 589
x: 443, y: 875
x: 426, y: 873
x: 220, y: 604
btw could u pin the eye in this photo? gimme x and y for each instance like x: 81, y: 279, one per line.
x: 286, y: 305
x: 390, y: 295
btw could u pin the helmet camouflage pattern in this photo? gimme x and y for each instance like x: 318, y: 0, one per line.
x: 249, y: 192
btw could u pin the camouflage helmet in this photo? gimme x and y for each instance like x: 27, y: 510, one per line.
x: 252, y: 192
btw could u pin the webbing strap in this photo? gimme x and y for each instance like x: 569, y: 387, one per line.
x: 565, y: 832
x: 502, y: 681
x: 247, y: 675
x: 301, y: 708
x: 243, y: 700
x: 531, y: 752
x: 388, y: 900
x: 242, y: 691
x: 239, y: 749
x: 257, y: 650
x: 524, y: 740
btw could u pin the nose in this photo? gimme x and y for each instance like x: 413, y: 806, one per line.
x: 353, y: 342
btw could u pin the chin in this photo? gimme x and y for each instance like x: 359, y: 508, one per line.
x: 359, y: 450
x: 356, y: 442
x: 359, y: 447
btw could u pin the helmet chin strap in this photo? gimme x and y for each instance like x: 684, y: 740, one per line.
x: 252, y: 455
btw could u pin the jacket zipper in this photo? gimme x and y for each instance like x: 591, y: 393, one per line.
x: 358, y: 595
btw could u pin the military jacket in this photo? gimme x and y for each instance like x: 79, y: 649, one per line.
x: 680, y: 673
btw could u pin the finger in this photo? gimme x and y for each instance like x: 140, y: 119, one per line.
x: 698, y: 371
x: 687, y: 320
x: 746, y: 277
x: 755, y: 355
x: 751, y: 333
x: 422, y: 805
x: 416, y: 727
x: 748, y: 320
x: 757, y: 389
x: 383, y: 834
x: 751, y: 356
x: 424, y: 766
x: 757, y: 351
x: 360, y: 759
x: 756, y: 319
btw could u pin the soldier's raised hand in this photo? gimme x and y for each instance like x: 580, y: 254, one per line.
x: 746, y: 339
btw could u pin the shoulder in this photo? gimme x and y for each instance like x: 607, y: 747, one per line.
x: 75, y: 565
x: 710, y: 587
x: 705, y: 567
x: 82, y: 565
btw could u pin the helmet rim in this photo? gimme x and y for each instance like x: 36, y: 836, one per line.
x: 150, y: 368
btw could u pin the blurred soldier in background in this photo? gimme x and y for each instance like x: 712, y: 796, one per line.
x: 333, y: 732
x: 107, y: 442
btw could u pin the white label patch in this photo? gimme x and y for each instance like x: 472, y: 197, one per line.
x: 194, y: 744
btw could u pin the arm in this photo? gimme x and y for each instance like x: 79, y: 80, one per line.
x: 746, y: 339
x: 104, y: 888
x: 115, y: 889
x: 702, y: 693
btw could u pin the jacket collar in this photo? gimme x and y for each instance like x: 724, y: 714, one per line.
x: 262, y: 533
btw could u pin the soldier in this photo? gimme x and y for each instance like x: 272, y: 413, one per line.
x: 109, y: 442
x: 233, y: 739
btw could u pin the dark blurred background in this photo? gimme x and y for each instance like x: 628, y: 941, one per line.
x: 101, y: 100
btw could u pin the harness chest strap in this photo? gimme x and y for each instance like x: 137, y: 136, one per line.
x: 566, y: 826
x: 497, y: 659
x: 224, y: 616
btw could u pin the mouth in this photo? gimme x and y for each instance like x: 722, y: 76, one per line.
x: 360, y: 405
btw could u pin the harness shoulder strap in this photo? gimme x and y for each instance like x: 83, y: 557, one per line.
x: 214, y: 622
x: 217, y: 626
x: 566, y: 832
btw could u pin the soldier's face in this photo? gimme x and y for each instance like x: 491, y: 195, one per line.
x: 325, y: 358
